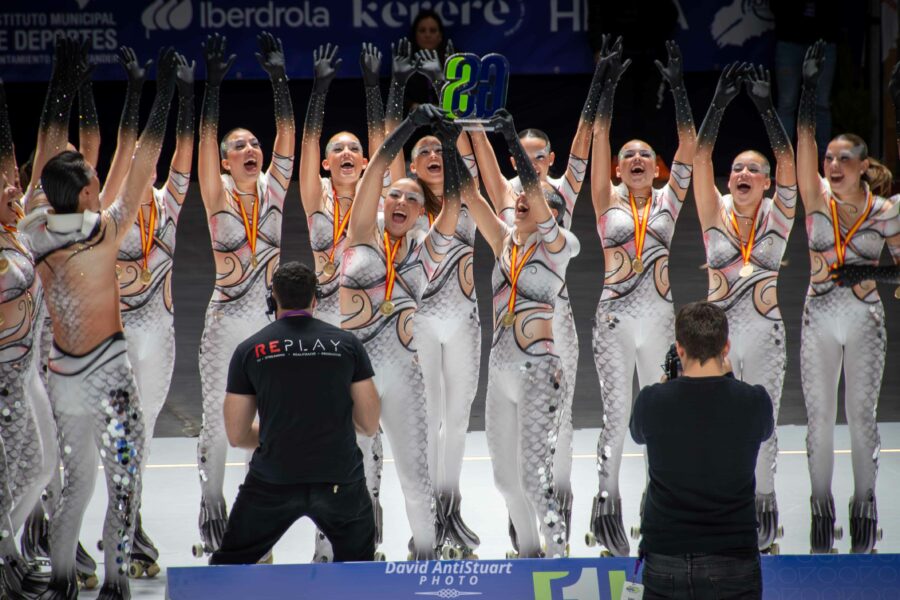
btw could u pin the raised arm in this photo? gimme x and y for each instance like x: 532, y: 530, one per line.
x: 402, y: 68
x: 125, y: 208
x: 807, y: 151
x: 611, y: 68
x: 850, y: 275
x: 673, y: 74
x: 497, y: 186
x: 365, y: 205
x: 448, y: 133
x: 428, y: 63
x: 128, y: 125
x: 759, y: 88
x: 537, y: 202
x: 271, y: 59
x: 7, y: 149
x: 492, y: 228
x: 88, y: 123
x: 208, y: 161
x: 370, y: 65
x: 70, y: 69
x: 180, y: 169
x: 705, y: 192
x: 325, y: 67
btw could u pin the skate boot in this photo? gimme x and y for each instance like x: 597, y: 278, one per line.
x: 13, y: 572
x: 85, y: 568
x: 213, y: 519
x: 35, y: 544
x: 565, y: 509
x: 379, y: 521
x: 60, y: 589
x: 767, y: 515
x: 113, y: 590
x: 323, y: 552
x: 143, y: 553
x: 822, y: 531
x: 514, y: 553
x: 607, y: 527
x: 864, y: 531
x: 460, y: 542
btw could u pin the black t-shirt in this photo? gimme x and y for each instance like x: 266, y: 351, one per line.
x: 300, y: 369
x: 703, y: 436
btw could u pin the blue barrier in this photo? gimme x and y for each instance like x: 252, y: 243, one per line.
x: 827, y: 577
x: 554, y: 32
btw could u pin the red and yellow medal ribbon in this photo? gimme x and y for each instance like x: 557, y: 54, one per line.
x: 640, y: 224
x: 147, y: 236
x: 430, y: 219
x: 746, y: 249
x: 390, y: 252
x: 340, y: 224
x: 514, y: 271
x: 840, y: 242
x: 14, y: 231
x: 251, y: 229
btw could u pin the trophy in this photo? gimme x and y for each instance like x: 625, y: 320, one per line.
x: 475, y: 88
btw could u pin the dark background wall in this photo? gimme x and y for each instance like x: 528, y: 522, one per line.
x: 552, y: 103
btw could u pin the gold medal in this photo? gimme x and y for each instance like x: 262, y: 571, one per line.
x: 146, y: 276
x: 253, y: 261
x: 387, y: 308
x: 897, y: 293
x: 508, y: 319
x: 4, y: 266
x: 746, y: 270
x: 118, y: 271
x: 329, y: 268
x: 637, y: 265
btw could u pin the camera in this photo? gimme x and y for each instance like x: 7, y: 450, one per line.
x: 672, y: 366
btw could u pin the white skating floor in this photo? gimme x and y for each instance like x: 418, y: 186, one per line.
x: 172, y: 497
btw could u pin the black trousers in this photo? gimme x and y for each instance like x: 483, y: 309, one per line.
x: 702, y: 577
x: 263, y: 511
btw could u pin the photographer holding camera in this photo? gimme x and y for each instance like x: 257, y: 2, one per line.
x: 703, y: 430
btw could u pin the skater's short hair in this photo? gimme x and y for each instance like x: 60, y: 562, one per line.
x: 701, y: 328
x: 294, y: 286
x: 63, y: 178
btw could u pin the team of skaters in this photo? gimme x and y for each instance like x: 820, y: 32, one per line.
x: 86, y: 313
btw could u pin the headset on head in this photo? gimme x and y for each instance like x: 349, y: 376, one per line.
x: 272, y: 306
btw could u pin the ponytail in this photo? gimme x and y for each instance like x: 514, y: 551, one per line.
x: 879, y: 178
x: 432, y: 204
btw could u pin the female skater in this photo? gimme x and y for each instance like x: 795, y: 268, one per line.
x: 386, y: 267
x: 635, y: 322
x: 328, y: 204
x: 848, y: 223
x: 144, y: 271
x: 244, y: 208
x: 503, y: 193
x: 745, y: 235
x: 35, y: 543
x: 526, y: 382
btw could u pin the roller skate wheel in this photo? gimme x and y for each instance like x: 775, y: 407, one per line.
x: 510, y: 554
x: 267, y: 559
x: 833, y: 551
x: 774, y: 550
x: 409, y: 556
x: 451, y: 553
x: 152, y: 570
x: 90, y: 582
x: 838, y: 533
x: 197, y: 550
x: 874, y: 551
x: 879, y: 534
x: 635, y: 533
x: 135, y: 570
x: 100, y: 545
x: 568, y: 550
x: 379, y: 556
x: 606, y: 554
x: 779, y: 533
x: 472, y: 556
x: 590, y: 539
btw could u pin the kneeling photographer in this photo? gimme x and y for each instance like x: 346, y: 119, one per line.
x: 703, y: 430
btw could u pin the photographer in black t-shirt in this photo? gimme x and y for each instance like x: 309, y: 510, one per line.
x: 311, y: 384
x: 702, y: 432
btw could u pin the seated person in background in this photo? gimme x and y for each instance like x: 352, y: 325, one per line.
x: 312, y: 385
x: 703, y: 430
